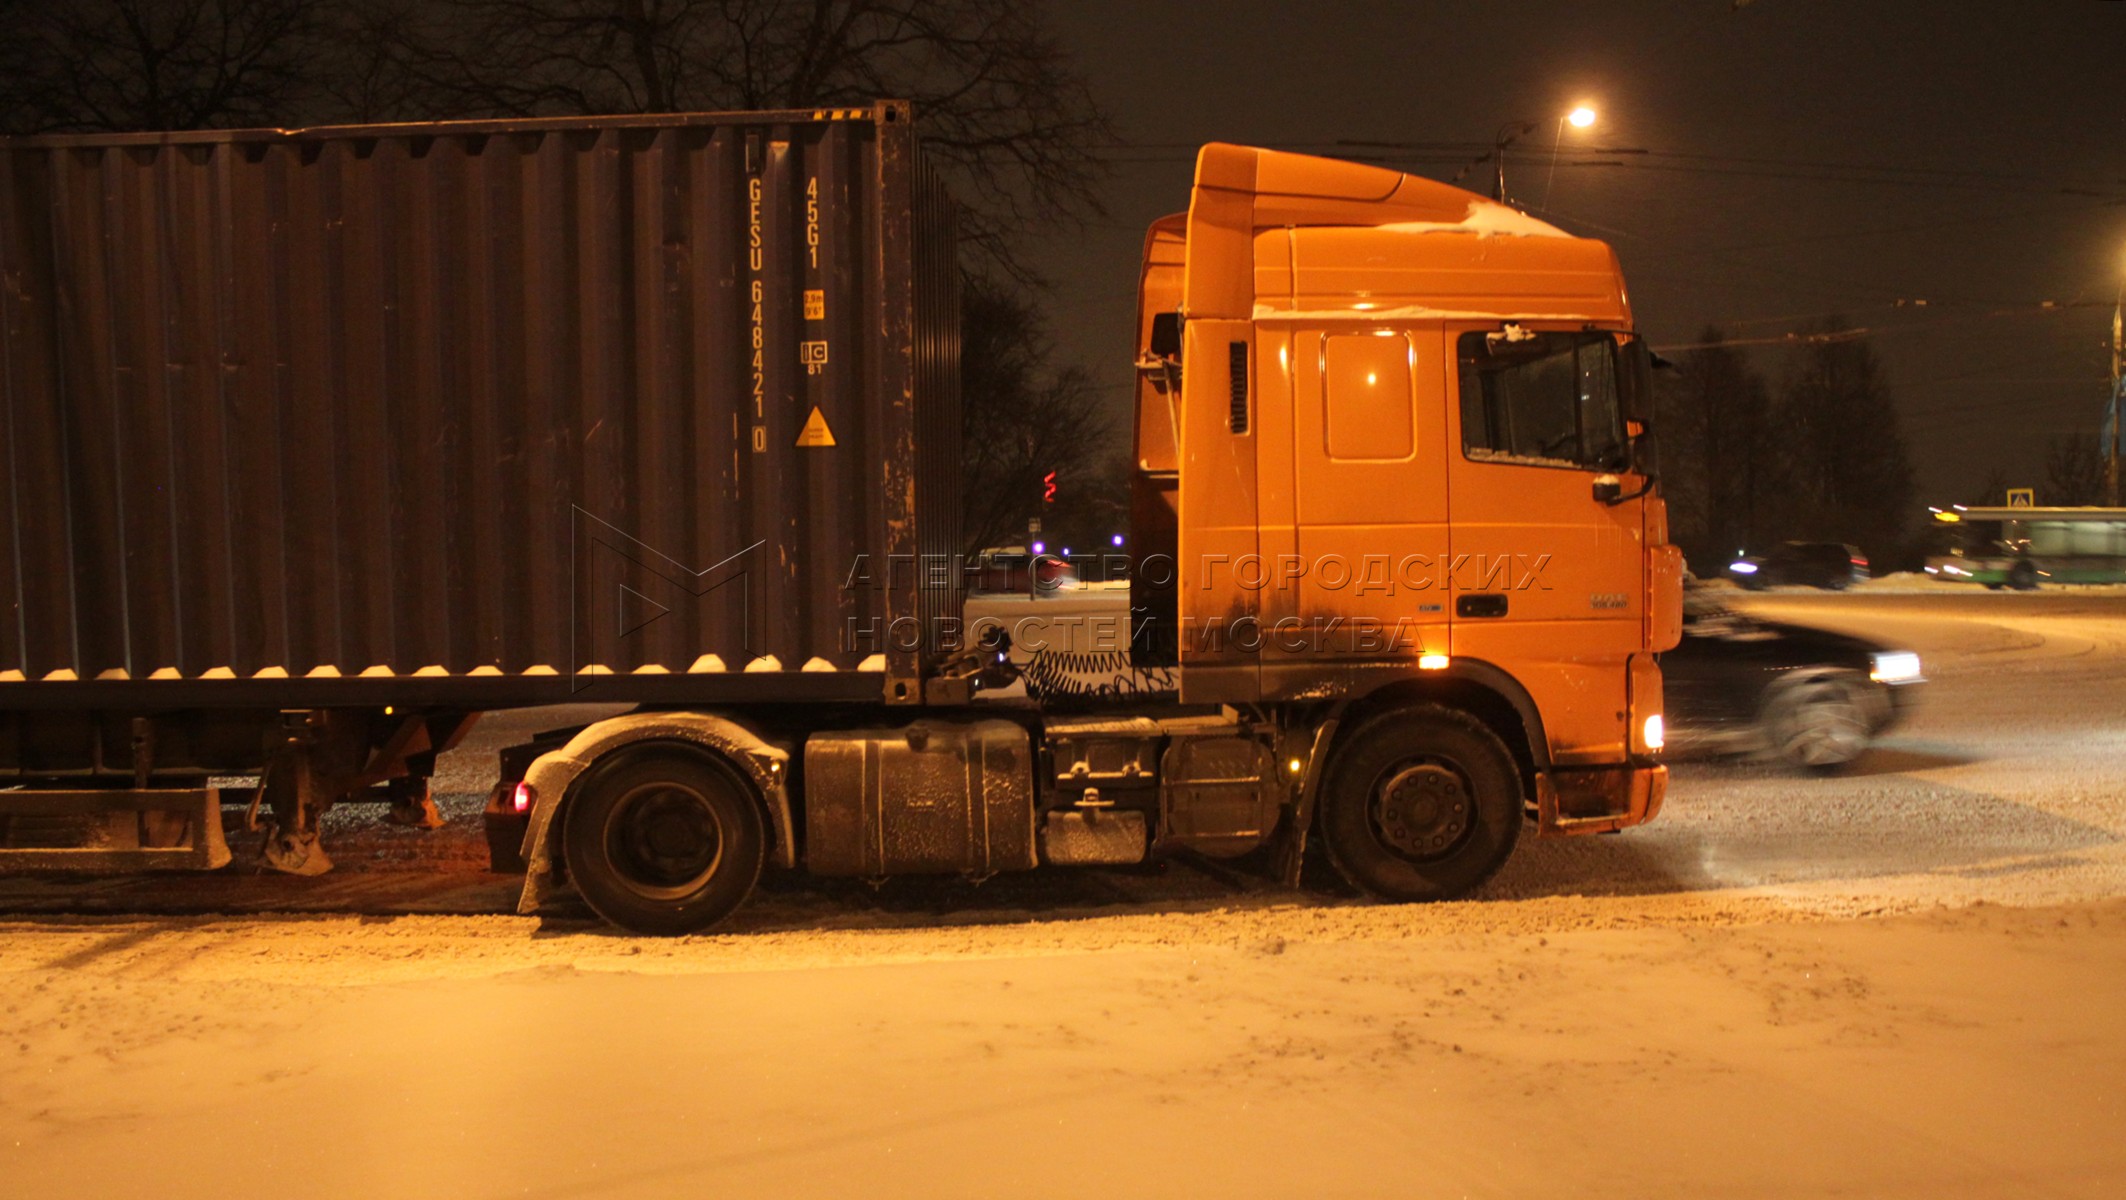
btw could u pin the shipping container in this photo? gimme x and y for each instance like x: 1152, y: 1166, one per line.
x: 657, y: 408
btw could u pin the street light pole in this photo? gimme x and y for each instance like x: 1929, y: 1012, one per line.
x: 2111, y: 408
x: 1507, y: 134
x: 1579, y: 118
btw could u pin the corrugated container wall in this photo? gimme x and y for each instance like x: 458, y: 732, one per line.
x: 476, y: 399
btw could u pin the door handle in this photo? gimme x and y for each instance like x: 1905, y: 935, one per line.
x: 1480, y: 605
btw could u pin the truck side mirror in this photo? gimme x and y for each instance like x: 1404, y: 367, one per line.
x: 1166, y: 335
x: 1646, y: 454
x: 1608, y: 489
x: 1638, y: 381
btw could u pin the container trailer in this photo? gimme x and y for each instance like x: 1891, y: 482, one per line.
x: 321, y: 443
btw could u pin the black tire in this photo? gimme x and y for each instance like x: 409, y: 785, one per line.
x: 1820, y: 722
x: 2022, y: 577
x: 664, y: 841
x: 1388, y: 815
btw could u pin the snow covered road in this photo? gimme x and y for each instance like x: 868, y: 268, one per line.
x: 1899, y: 981
x: 2008, y: 783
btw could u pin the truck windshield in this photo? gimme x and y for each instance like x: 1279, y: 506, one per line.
x: 1547, y: 398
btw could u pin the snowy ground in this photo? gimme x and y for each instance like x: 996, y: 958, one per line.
x: 1899, y: 981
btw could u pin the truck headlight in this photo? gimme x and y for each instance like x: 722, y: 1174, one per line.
x: 1654, y: 732
x: 1743, y: 568
x: 1899, y: 666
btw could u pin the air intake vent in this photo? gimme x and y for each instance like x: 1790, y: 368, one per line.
x: 1238, y: 353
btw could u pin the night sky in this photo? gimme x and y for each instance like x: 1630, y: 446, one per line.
x: 1805, y: 157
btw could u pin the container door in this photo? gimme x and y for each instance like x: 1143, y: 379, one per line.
x: 1368, y: 516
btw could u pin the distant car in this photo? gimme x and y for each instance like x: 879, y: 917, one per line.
x: 1015, y: 569
x: 1830, y: 565
x: 1738, y: 685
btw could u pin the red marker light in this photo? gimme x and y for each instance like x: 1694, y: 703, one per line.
x: 521, y: 799
x: 1048, y: 488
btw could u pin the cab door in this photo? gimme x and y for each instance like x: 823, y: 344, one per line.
x: 1363, y: 522
x: 1548, y: 577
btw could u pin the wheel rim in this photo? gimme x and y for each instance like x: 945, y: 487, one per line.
x: 664, y: 840
x: 1824, y: 727
x: 1422, y: 810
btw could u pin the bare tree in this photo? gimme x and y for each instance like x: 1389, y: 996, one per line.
x: 119, y: 65
x: 1000, y: 105
x: 2074, y: 471
x: 1022, y: 419
x: 1723, y: 454
x: 1850, y: 473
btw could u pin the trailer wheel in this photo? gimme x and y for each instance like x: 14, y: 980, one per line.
x: 1421, y: 803
x: 664, y: 841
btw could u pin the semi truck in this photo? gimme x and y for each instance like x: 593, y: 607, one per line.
x: 321, y: 443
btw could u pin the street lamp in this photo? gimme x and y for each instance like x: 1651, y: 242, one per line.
x: 1581, y: 117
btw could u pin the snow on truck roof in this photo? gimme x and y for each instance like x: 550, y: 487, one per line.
x: 1274, y: 234
x: 1302, y: 189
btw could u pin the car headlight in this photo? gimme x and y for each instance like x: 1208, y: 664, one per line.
x: 1898, y: 666
x: 1743, y: 568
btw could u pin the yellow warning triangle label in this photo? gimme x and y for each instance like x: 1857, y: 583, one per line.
x: 815, y: 432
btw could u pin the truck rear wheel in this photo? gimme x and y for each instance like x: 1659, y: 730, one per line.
x: 664, y: 841
x: 1421, y: 803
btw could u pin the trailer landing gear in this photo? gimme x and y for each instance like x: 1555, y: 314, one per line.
x: 296, y: 800
x: 412, y: 805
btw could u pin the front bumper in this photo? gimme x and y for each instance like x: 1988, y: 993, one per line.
x: 1579, y: 800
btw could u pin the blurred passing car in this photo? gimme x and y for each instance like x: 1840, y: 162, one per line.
x: 1832, y: 565
x: 1738, y: 685
x: 1015, y: 569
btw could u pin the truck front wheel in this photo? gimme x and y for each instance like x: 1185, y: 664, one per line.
x: 1421, y: 803
x: 664, y: 841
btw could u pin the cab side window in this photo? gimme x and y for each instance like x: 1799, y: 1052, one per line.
x: 1546, y: 399
x: 1368, y: 416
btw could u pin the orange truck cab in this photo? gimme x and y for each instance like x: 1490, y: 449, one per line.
x: 1394, y: 469
x: 1398, y: 580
